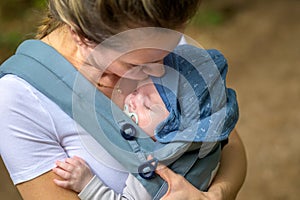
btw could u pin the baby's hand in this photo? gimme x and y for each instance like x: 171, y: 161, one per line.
x: 75, y: 172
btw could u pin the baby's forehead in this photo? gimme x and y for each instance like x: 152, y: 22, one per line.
x: 160, y: 90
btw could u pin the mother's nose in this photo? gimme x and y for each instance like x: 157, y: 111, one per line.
x: 154, y: 69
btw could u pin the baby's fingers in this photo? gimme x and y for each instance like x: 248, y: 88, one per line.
x: 65, y: 166
x: 63, y: 184
x: 62, y: 173
x: 79, y: 160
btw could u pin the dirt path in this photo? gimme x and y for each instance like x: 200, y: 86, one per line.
x: 262, y: 45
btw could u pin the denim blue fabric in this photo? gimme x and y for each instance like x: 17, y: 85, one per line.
x: 202, y: 108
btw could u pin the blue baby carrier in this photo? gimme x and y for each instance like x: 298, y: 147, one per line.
x: 46, y: 70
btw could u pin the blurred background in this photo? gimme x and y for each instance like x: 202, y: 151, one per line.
x: 261, y: 42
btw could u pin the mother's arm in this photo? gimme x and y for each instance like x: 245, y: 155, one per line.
x: 232, y: 172
x: 44, y: 188
x: 227, y: 183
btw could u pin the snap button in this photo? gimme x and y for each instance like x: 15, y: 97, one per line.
x: 128, y: 131
x: 147, y: 169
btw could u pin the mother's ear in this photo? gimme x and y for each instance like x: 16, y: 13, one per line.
x: 84, y: 46
x: 76, y: 38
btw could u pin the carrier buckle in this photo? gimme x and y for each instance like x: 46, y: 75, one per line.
x: 147, y: 169
x: 128, y: 131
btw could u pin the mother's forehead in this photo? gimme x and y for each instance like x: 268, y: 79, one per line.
x: 143, y: 56
x: 141, y: 38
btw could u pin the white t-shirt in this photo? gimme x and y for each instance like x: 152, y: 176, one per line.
x: 35, y: 133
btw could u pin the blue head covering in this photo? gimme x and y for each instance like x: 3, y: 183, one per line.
x: 202, y: 108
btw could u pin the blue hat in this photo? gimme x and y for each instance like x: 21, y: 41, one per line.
x: 202, y: 108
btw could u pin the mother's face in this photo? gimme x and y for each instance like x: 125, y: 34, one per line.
x: 141, y: 55
x: 139, y: 64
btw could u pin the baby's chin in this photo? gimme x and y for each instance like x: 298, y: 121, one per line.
x: 149, y: 131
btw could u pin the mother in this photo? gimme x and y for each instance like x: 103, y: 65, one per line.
x: 35, y: 132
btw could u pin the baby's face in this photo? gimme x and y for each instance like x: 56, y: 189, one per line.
x: 147, y: 104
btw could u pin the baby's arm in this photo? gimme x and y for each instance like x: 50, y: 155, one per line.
x: 75, y: 173
x: 96, y: 190
x: 78, y: 177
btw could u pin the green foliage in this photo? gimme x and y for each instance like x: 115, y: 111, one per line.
x: 8, y: 43
x: 7, y: 40
x: 17, y: 20
x: 207, y: 18
x: 16, y: 9
x: 40, y: 4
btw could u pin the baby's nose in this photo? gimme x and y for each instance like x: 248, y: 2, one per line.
x: 132, y: 104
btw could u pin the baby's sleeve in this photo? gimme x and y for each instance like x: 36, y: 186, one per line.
x: 96, y: 190
x: 29, y: 145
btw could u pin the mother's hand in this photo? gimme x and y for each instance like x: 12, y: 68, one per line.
x: 225, y: 186
x: 180, y: 188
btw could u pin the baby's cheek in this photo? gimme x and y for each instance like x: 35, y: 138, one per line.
x: 159, y: 113
x: 144, y: 118
x: 151, y: 118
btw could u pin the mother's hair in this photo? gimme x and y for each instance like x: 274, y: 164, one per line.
x: 97, y: 20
